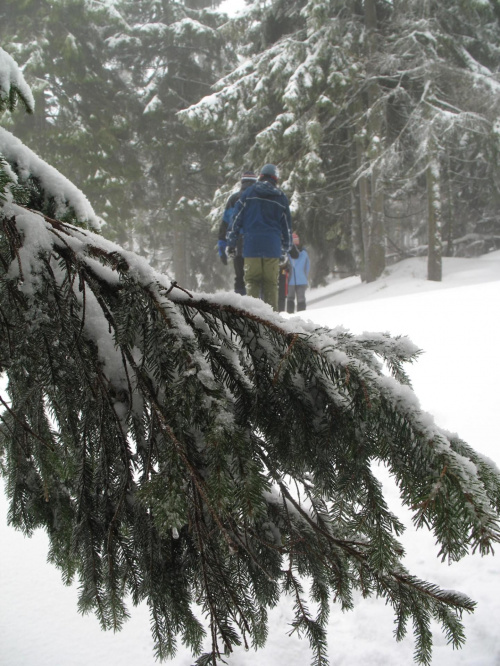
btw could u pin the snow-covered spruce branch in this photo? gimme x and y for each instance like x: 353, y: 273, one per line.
x: 198, y: 449
x: 13, y: 87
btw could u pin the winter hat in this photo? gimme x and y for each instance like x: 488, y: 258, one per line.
x: 270, y: 171
x: 296, y: 239
x: 248, y: 177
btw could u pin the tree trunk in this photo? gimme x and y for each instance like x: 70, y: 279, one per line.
x: 361, y: 193
x: 370, y: 17
x: 375, y: 248
x: 369, y: 204
x: 179, y: 258
x: 364, y: 211
x: 179, y: 248
x: 425, y: 9
x: 451, y: 213
x: 434, y: 258
x: 357, y: 219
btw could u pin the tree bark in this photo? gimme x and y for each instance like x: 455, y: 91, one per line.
x: 361, y: 193
x: 358, y: 208
x: 434, y: 257
x: 179, y: 258
x: 375, y: 248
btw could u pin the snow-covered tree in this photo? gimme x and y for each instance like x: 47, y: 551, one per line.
x: 80, y: 101
x: 377, y: 112
x: 442, y: 91
x: 202, y: 454
x: 172, y: 52
x: 118, y: 72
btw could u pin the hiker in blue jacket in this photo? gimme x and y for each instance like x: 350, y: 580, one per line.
x: 262, y: 215
x: 247, y: 178
x: 298, y: 276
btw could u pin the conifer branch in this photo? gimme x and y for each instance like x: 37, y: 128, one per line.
x: 24, y: 425
x: 174, y: 421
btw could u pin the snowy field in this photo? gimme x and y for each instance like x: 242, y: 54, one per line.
x: 457, y: 324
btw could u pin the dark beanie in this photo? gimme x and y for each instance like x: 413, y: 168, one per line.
x: 269, y: 171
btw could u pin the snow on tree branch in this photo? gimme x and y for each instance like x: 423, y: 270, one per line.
x: 55, y: 185
x: 13, y: 85
x: 160, y: 438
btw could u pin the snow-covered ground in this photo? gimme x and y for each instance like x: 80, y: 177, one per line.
x: 457, y: 324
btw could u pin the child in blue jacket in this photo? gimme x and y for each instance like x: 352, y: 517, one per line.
x: 298, y: 275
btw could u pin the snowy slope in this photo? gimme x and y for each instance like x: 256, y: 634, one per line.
x: 457, y: 324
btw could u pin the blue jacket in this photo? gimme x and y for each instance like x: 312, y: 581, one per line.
x: 262, y: 215
x: 298, y: 272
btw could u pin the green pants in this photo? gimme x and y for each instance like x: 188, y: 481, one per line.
x: 261, y: 279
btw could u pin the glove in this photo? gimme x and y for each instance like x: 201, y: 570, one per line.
x: 283, y: 260
x: 231, y: 252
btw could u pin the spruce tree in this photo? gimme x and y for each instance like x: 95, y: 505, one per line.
x: 172, y: 52
x: 360, y: 103
x: 118, y: 72
x: 82, y: 100
x: 199, y: 452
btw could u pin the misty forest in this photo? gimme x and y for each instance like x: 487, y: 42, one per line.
x: 188, y: 447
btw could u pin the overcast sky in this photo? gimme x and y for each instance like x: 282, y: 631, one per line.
x: 231, y: 7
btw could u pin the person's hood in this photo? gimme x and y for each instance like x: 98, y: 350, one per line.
x: 266, y: 189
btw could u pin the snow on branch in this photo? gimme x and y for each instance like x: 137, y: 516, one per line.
x: 65, y: 194
x: 12, y: 84
x: 181, y: 446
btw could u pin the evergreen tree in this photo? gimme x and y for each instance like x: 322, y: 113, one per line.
x: 173, y: 52
x: 361, y: 103
x: 203, y: 452
x: 441, y: 94
x: 118, y: 72
x: 81, y: 101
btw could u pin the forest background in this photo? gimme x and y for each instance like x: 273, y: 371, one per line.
x: 381, y: 115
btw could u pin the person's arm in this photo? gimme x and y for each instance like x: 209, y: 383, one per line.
x: 221, y: 248
x: 222, y: 243
x: 236, y: 223
x: 225, y: 225
x: 307, y: 266
x: 223, y: 229
x: 286, y: 229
